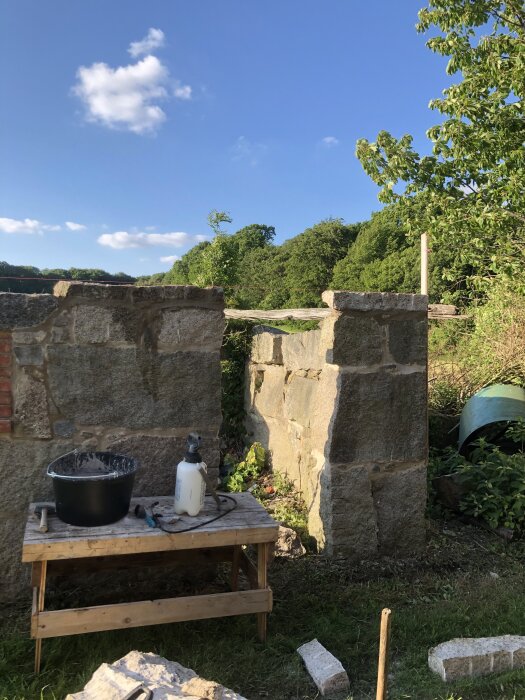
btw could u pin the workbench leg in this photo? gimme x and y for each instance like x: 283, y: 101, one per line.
x: 262, y: 582
x: 39, y: 593
x: 236, y: 560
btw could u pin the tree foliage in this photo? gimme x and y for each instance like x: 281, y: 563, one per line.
x: 469, y: 192
x: 36, y: 281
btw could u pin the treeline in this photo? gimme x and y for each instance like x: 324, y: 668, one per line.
x: 32, y: 280
x: 372, y: 256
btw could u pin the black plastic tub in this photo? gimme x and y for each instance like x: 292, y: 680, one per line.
x: 92, y: 488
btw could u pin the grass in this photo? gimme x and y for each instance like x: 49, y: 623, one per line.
x: 446, y: 593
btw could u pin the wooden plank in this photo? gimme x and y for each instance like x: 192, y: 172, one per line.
x: 439, y: 311
x: 124, y: 545
x: 442, y: 309
x: 58, y: 623
x: 279, y: 314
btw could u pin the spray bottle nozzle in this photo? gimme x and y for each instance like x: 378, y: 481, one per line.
x: 193, y: 444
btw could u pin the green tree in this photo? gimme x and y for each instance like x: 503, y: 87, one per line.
x: 253, y: 236
x: 187, y: 269
x: 311, y: 259
x: 469, y: 192
x: 216, y: 219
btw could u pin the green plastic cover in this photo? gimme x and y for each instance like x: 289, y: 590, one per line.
x: 493, y: 404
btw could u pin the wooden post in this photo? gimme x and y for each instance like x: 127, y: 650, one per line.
x: 262, y: 582
x: 382, y: 669
x: 424, y: 263
x: 39, y: 594
x: 236, y: 560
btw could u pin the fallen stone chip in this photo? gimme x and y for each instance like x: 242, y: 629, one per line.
x: 167, y: 679
x: 288, y: 544
x: 327, y: 672
x: 469, y: 657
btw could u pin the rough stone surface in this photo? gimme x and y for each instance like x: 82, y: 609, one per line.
x: 326, y: 671
x: 375, y: 301
x: 24, y: 480
x: 288, y: 544
x: 468, y: 657
x: 353, y: 515
x: 97, y: 385
x: 31, y: 414
x: 168, y: 680
x: 268, y: 396
x: 63, y: 428
x: 299, y: 396
x: 89, y: 372
x: 92, y: 324
x: 183, y: 327
x: 29, y: 355
x: 407, y: 341
x: 374, y: 410
x: 302, y: 351
x: 345, y: 417
x: 400, y: 501
x: 357, y: 340
x: 25, y: 310
x: 28, y: 337
x: 267, y: 347
x: 158, y: 457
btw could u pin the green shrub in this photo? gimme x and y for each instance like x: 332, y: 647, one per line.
x: 236, y: 346
x: 492, y: 482
x: 248, y: 470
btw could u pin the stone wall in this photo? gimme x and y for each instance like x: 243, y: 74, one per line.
x: 101, y: 367
x: 343, y: 411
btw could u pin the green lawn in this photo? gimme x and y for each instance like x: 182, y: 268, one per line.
x: 447, y: 593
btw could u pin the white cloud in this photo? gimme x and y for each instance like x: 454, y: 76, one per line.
x: 153, y: 40
x: 182, y: 92
x: 330, y: 141
x: 121, y: 240
x: 200, y: 238
x: 25, y: 226
x: 124, y: 97
x: 169, y: 259
x: 248, y: 151
x: 72, y: 226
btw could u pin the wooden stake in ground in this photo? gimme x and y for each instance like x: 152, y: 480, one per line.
x: 382, y: 669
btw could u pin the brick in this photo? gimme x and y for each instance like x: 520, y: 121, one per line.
x: 5, y: 334
x: 5, y: 411
x: 5, y: 384
x: 5, y: 360
x: 5, y: 372
x: 5, y: 425
x: 5, y: 345
x: 327, y: 672
x: 5, y: 398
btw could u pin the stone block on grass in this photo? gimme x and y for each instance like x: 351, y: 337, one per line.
x: 327, y: 672
x: 471, y: 657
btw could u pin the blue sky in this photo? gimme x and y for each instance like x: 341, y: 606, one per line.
x: 131, y: 120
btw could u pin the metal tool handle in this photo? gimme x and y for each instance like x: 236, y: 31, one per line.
x: 210, y: 486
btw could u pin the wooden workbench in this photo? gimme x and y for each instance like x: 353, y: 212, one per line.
x: 132, y: 539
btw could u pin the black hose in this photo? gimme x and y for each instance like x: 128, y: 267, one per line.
x: 223, y: 497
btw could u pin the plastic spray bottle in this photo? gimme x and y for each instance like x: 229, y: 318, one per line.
x: 189, y: 485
